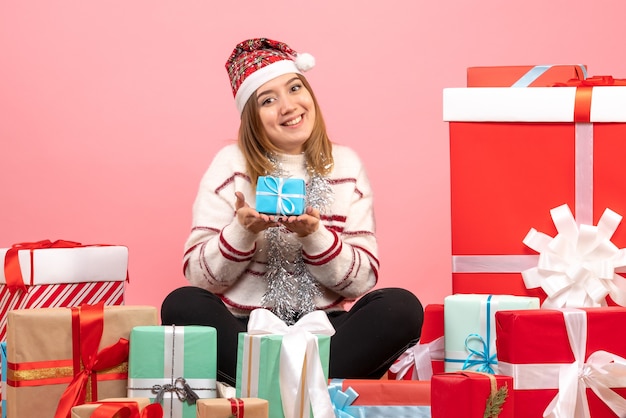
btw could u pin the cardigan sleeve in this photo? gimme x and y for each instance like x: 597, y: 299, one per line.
x: 218, y: 249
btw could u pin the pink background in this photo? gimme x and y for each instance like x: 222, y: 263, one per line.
x: 110, y: 111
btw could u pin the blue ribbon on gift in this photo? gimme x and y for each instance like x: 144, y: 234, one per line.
x: 284, y: 204
x: 341, y: 400
x: 482, y: 359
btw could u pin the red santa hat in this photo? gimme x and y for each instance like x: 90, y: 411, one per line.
x: 256, y: 61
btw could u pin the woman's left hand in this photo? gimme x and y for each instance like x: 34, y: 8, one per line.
x: 304, y: 224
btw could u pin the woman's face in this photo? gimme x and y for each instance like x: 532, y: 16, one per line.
x: 287, y: 112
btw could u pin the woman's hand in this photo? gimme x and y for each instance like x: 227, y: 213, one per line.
x: 304, y: 224
x: 249, y: 218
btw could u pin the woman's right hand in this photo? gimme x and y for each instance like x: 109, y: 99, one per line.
x: 249, y: 218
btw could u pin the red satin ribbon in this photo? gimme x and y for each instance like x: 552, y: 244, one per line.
x: 236, y: 406
x: 87, y: 328
x: 12, y: 270
x: 127, y: 410
x: 584, y: 90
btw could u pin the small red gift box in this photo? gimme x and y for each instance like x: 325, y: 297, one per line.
x: 524, y: 75
x: 466, y: 394
x: 516, y: 153
x: 577, y: 354
x: 426, y: 357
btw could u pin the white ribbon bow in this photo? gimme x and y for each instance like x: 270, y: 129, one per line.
x: 576, y: 268
x: 602, y: 371
x: 302, y: 383
x: 421, y: 355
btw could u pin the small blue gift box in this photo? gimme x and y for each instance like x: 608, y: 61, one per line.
x: 280, y: 196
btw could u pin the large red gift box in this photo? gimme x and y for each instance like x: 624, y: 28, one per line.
x: 426, y: 357
x: 467, y: 394
x: 517, y: 153
x: 524, y: 75
x: 566, y: 352
x: 49, y: 274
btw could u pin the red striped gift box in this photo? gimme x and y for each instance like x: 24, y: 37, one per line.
x: 47, y: 274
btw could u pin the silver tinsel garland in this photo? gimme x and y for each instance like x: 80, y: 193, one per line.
x: 291, y: 288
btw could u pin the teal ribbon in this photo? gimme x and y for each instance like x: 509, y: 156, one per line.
x: 341, y: 400
x: 477, y: 358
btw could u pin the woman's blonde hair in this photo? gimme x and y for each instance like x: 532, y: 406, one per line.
x: 256, y: 146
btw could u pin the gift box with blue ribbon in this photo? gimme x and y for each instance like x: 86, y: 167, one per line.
x: 280, y: 196
x: 367, y: 398
x: 173, y: 365
x: 470, y: 329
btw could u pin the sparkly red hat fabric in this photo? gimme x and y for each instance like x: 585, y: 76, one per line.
x: 254, y: 62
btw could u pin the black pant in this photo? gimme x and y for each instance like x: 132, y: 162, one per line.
x: 368, y: 338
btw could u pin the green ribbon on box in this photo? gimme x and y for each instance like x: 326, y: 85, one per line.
x: 258, y: 368
x: 174, y: 366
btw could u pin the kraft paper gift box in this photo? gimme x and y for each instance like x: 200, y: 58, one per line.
x: 280, y: 196
x: 470, y: 329
x: 233, y: 408
x: 581, y: 349
x: 48, y: 274
x: 426, y: 357
x: 524, y: 75
x: 54, y: 353
x: 286, y: 365
x: 112, y: 408
x: 466, y: 394
x: 366, y: 398
x: 174, y: 365
x: 517, y: 153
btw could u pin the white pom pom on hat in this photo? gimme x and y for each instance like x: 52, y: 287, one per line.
x: 305, y: 61
x: 256, y: 61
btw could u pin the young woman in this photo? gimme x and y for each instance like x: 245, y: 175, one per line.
x: 238, y: 259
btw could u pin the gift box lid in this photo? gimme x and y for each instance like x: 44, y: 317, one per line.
x: 523, y: 75
x: 95, y: 263
x: 539, y: 104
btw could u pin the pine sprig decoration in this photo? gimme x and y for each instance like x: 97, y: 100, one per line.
x: 495, y: 401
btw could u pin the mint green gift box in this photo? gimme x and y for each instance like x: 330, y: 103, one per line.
x: 470, y: 329
x: 258, y: 368
x: 170, y: 360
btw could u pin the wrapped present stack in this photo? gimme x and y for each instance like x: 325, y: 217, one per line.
x: 536, y: 216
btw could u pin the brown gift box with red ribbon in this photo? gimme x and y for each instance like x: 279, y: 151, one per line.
x: 517, y: 153
x: 58, y: 358
x: 232, y: 407
x: 118, y: 407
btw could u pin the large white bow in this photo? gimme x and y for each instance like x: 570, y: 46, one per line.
x: 421, y: 355
x: 303, y: 385
x: 576, y: 268
x: 602, y: 371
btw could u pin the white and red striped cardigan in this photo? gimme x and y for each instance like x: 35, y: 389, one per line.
x: 224, y: 258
